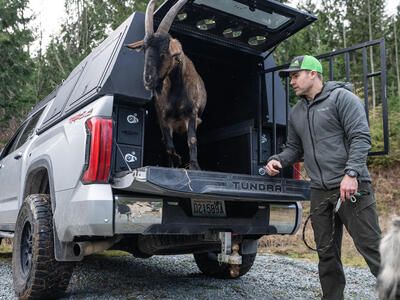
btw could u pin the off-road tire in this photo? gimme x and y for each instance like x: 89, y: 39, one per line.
x: 36, y: 273
x: 208, y: 264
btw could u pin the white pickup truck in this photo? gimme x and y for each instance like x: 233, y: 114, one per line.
x: 84, y: 172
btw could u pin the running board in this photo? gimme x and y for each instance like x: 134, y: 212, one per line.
x: 6, y: 234
x: 211, y: 185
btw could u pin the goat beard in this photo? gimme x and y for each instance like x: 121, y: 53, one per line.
x: 389, y: 276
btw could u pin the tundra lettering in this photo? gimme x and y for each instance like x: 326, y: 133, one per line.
x: 255, y: 186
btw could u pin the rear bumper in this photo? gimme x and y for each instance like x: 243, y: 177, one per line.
x: 256, y: 205
x: 140, y: 215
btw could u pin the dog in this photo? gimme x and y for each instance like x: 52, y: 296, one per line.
x: 388, y: 283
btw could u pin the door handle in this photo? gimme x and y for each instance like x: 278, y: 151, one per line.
x: 1, y: 166
x: 18, y: 155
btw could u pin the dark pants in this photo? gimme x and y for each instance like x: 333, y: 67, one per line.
x: 361, y: 221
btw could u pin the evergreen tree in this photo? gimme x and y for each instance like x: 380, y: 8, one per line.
x: 16, y: 66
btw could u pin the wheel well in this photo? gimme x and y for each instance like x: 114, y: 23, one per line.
x: 37, y: 182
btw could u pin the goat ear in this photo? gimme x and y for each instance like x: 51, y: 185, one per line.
x: 138, y: 46
x: 175, y: 48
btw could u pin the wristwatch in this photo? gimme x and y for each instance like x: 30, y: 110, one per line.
x: 351, y: 173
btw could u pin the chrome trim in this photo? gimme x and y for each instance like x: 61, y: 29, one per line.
x: 285, y: 218
x: 299, y: 216
x: 136, y: 214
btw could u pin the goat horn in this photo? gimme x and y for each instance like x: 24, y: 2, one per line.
x: 170, y: 16
x: 148, y: 25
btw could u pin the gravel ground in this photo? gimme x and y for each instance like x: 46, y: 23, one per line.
x: 177, y: 277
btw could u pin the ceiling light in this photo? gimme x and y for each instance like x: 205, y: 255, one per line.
x: 206, y: 24
x: 232, y: 33
x: 257, y: 40
x: 182, y: 16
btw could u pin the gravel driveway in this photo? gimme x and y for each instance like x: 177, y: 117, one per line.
x: 177, y: 277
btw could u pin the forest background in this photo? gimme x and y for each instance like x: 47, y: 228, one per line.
x: 28, y: 73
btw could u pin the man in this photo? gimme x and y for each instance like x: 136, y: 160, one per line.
x: 329, y: 128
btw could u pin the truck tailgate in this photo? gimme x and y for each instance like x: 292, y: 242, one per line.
x: 206, y: 184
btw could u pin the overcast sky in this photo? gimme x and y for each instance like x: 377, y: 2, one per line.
x: 50, y: 13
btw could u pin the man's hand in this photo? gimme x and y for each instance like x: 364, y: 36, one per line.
x: 273, y: 167
x: 348, y: 187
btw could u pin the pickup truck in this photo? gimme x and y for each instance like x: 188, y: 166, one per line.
x: 85, y: 170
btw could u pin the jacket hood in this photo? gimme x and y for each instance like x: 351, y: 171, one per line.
x: 330, y: 86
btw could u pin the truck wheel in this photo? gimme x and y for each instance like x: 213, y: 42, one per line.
x: 208, y: 264
x: 36, y: 273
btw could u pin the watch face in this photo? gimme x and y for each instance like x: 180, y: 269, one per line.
x: 352, y: 173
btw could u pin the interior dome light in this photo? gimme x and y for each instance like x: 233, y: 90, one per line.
x: 257, y: 40
x: 231, y: 33
x: 206, y: 24
x: 182, y: 16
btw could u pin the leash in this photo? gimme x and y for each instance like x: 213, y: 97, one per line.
x: 335, y: 210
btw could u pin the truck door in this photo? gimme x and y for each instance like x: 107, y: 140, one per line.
x: 11, y: 180
x: 9, y: 164
x: 362, y: 65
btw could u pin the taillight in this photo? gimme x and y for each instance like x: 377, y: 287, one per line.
x: 99, y: 152
x: 296, y: 171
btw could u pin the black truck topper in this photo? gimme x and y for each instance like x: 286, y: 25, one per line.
x: 253, y: 26
x: 113, y: 69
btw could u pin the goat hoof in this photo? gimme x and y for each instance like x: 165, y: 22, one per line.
x: 176, y: 160
x: 194, y: 165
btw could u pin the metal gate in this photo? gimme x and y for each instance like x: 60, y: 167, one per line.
x: 361, y: 56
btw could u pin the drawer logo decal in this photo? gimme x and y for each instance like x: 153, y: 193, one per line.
x: 131, y: 157
x: 132, y: 119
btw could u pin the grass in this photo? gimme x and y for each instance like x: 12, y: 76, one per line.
x: 6, y: 246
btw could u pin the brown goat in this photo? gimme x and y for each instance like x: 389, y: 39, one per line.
x: 179, y: 92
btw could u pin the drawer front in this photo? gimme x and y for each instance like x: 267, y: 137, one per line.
x: 127, y: 155
x: 130, y: 126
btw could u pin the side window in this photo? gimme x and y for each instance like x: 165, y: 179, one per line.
x: 29, y: 129
x: 13, y: 142
x: 23, y: 133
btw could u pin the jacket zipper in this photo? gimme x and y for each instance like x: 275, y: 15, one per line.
x: 312, y: 142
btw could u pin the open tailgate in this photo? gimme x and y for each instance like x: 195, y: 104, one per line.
x: 204, y: 184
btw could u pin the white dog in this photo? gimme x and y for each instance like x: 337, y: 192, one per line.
x: 389, y: 276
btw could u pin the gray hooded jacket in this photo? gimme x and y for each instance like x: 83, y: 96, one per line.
x: 332, y: 134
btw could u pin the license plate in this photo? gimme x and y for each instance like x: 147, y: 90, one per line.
x: 208, y: 208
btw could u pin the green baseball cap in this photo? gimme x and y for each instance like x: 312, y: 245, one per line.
x: 304, y: 62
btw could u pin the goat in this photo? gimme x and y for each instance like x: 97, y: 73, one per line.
x: 389, y: 276
x: 179, y: 92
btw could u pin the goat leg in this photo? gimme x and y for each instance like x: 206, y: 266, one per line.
x: 174, y: 159
x: 192, y: 143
